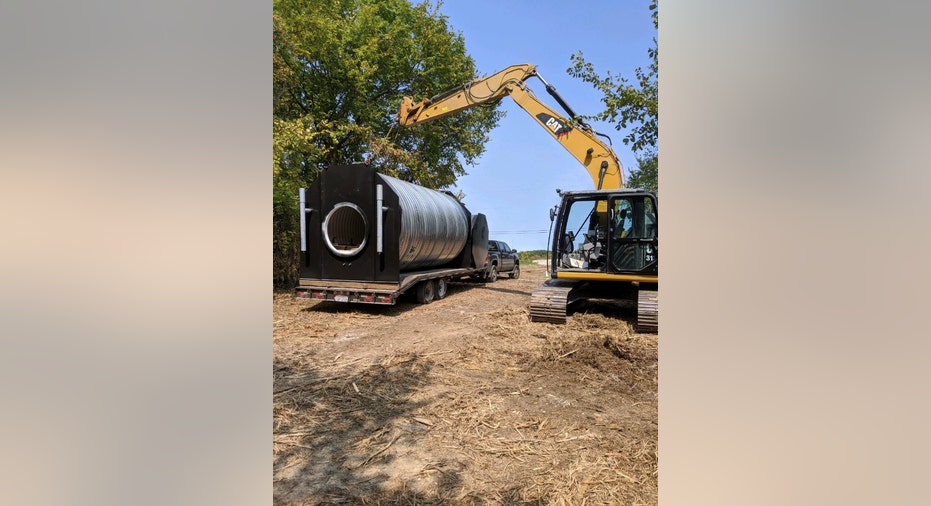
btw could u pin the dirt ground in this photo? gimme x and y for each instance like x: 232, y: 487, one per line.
x: 462, y: 401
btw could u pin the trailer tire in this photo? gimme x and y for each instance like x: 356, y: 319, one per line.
x: 442, y: 287
x: 426, y: 290
x: 492, y: 274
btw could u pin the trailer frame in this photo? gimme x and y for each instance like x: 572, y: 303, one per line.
x: 380, y: 292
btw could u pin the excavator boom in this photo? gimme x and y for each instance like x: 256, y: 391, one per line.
x: 575, y: 135
x: 484, y: 90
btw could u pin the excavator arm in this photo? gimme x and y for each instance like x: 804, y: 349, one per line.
x: 576, y: 136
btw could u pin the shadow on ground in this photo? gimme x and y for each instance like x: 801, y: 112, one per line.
x: 340, y: 439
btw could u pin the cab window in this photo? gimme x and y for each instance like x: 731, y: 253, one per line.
x: 633, y: 233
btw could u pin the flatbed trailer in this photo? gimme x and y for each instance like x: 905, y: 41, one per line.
x: 430, y: 284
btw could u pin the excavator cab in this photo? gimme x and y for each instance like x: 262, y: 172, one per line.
x: 606, y: 232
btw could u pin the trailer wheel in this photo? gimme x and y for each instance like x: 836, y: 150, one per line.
x: 426, y: 290
x: 492, y: 274
x: 442, y: 287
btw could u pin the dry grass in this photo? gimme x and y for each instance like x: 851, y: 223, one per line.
x: 453, y: 403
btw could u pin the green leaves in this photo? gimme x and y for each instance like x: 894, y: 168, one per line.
x: 633, y: 106
x: 646, y: 174
x: 340, y: 70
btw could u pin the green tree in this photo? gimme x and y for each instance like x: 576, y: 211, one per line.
x: 645, y: 175
x: 340, y: 69
x: 633, y: 106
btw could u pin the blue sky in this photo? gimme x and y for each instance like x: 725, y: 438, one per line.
x: 514, y: 182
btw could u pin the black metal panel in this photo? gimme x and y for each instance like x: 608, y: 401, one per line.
x: 477, y: 249
x: 353, y: 184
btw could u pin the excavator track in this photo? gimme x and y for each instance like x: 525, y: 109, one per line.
x: 548, y: 303
x: 648, y: 311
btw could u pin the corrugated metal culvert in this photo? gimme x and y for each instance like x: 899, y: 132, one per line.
x: 434, y: 226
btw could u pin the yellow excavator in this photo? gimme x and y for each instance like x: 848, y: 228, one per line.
x: 604, y: 242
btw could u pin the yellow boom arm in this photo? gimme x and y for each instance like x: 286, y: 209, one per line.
x: 578, y: 138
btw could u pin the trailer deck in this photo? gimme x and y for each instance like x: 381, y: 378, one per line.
x: 373, y: 292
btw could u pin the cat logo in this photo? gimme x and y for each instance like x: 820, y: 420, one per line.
x: 556, y: 126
